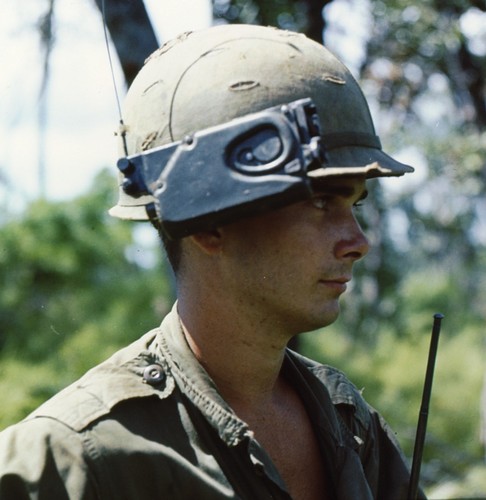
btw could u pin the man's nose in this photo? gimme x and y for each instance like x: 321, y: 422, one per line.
x: 353, y: 244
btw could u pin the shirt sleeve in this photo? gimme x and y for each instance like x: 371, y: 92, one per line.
x: 43, y: 459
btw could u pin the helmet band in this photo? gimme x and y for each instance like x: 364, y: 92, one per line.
x: 344, y: 139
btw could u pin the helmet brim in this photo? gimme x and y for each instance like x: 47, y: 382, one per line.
x: 355, y: 160
x: 129, y: 208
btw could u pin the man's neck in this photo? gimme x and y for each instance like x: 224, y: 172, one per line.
x: 242, y: 357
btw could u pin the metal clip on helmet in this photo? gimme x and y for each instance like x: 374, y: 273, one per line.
x: 236, y: 120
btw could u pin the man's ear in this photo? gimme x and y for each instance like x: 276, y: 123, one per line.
x: 210, y: 242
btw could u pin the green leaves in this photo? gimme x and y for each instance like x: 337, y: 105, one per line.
x: 69, y: 295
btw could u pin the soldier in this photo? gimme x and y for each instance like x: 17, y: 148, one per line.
x: 248, y: 148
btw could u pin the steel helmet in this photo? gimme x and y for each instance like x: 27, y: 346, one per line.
x: 206, y: 78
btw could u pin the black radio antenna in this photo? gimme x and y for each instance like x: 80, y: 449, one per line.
x: 424, y: 410
x: 117, y: 97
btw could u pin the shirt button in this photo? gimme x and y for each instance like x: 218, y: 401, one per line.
x: 153, y: 374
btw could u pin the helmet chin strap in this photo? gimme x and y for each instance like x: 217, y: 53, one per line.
x: 152, y: 216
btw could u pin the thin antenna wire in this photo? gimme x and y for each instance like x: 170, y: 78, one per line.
x: 424, y: 409
x: 117, y: 97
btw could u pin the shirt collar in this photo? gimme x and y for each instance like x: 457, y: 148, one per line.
x: 195, y: 383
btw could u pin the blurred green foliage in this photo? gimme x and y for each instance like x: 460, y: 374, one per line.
x: 71, y: 293
x: 76, y: 285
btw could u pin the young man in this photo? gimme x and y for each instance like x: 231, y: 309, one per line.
x: 248, y: 148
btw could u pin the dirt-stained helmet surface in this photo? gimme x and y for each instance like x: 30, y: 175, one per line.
x: 209, y: 77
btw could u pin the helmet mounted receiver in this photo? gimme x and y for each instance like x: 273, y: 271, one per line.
x: 251, y: 164
x: 236, y: 120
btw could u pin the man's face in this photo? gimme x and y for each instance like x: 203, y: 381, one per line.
x: 289, y: 267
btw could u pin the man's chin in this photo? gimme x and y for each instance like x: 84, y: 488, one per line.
x: 329, y: 315
x: 322, y: 320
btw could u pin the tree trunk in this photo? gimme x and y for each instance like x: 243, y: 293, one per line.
x: 131, y: 32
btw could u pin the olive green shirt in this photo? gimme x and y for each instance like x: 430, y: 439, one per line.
x: 149, y: 423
